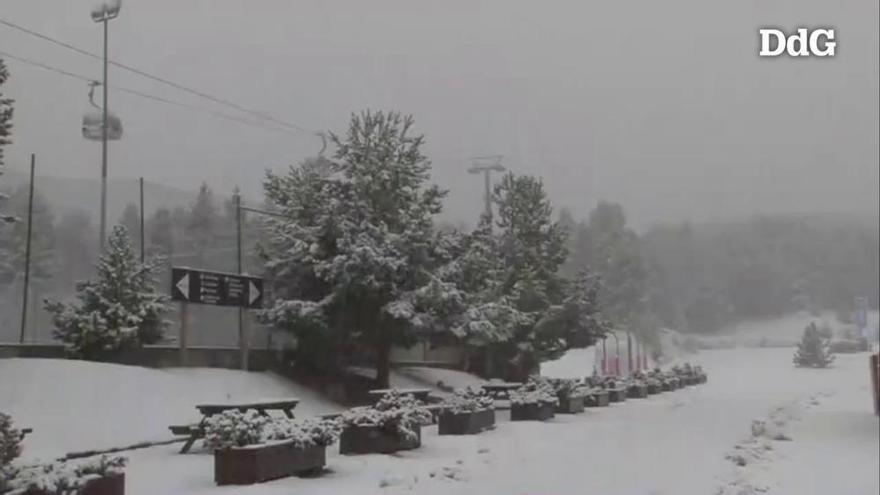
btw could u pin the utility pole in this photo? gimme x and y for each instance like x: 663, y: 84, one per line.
x: 27, y: 254
x: 486, y: 165
x: 141, y: 187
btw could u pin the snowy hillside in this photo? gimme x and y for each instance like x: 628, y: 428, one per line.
x: 79, y: 405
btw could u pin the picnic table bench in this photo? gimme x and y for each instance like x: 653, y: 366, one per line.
x: 500, y: 390
x: 421, y: 394
x: 196, y: 431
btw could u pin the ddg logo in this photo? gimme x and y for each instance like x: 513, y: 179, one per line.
x: 805, y: 43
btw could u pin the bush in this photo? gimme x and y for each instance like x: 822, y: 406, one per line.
x: 469, y: 400
x: 566, y: 388
x: 236, y: 429
x: 397, y: 413
x: 534, y: 391
x: 60, y: 477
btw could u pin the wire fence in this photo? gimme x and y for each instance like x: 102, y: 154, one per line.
x: 196, y: 229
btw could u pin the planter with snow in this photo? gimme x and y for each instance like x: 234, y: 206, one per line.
x: 102, y: 476
x: 259, y: 463
x: 467, y: 412
x: 617, y: 394
x: 637, y: 390
x: 534, y: 401
x: 465, y: 423
x: 571, y: 405
x: 597, y: 398
x: 251, y: 448
x: 358, y: 439
x: 394, y: 423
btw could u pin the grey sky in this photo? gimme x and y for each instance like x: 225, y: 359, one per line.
x: 662, y: 106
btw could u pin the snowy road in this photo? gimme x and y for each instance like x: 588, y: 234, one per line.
x: 670, y: 444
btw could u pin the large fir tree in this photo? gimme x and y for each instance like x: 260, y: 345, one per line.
x: 356, y: 248
x: 118, y: 309
x: 5, y: 135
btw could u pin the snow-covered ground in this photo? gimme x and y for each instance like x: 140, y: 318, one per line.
x: 672, y: 444
x: 78, y: 405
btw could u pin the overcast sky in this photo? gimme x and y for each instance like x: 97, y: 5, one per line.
x: 662, y: 106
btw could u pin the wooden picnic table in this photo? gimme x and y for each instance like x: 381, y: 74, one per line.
x: 420, y: 394
x: 499, y: 389
x: 263, y: 407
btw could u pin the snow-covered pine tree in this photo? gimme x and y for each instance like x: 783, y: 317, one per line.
x: 5, y: 133
x: 532, y: 248
x: 10, y: 440
x: 813, y: 349
x: 356, y: 246
x: 118, y: 309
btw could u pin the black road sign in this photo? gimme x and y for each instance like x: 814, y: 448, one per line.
x: 216, y: 288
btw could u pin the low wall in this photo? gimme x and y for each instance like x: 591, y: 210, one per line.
x: 156, y: 356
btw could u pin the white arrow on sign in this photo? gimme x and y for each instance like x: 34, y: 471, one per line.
x: 183, y: 286
x: 253, y: 292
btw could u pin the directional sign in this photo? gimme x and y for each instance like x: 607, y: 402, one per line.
x: 216, y: 288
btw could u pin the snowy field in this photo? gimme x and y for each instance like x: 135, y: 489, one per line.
x: 672, y: 444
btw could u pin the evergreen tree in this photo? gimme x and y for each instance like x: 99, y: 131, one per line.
x: 201, y: 224
x: 5, y: 134
x: 813, y: 349
x: 531, y: 249
x: 356, y: 251
x: 131, y: 220
x: 13, y: 243
x: 160, y: 232
x: 118, y: 309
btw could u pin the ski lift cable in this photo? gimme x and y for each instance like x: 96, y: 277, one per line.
x: 167, y: 82
x: 93, y: 83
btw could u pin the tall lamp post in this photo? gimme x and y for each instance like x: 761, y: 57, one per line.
x: 103, y: 13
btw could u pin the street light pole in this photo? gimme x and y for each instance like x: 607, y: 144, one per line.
x: 486, y: 169
x: 103, y: 13
x: 104, y: 147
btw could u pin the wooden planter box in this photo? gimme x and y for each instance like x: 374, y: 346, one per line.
x: 654, y: 388
x: 616, y: 394
x: 113, y: 484
x: 570, y: 405
x: 469, y: 423
x: 259, y: 463
x: 665, y: 386
x: 597, y: 399
x: 638, y: 391
x: 375, y: 440
x: 532, y: 412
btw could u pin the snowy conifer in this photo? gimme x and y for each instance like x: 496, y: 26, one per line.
x: 10, y: 440
x: 353, y: 257
x: 813, y: 349
x: 117, y: 309
x: 5, y: 133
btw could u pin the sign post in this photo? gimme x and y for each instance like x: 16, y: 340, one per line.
x: 184, y: 334
x: 190, y: 286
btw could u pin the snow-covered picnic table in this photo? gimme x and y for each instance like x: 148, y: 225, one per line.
x: 263, y: 407
x: 500, y: 389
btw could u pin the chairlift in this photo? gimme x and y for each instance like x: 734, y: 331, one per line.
x: 92, y: 121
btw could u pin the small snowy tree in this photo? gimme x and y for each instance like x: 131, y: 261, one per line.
x: 10, y: 440
x: 5, y: 133
x: 813, y: 350
x: 118, y: 309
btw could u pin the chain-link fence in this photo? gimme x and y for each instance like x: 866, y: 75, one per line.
x: 197, y: 229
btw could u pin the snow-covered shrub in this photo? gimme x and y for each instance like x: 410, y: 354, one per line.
x: 396, y: 413
x: 118, y: 309
x: 566, y: 388
x: 469, y: 400
x: 60, y: 477
x: 236, y: 429
x: 10, y: 440
x: 813, y: 350
x: 534, y: 391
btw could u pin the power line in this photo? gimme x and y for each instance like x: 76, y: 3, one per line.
x: 41, y: 65
x: 173, y: 84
